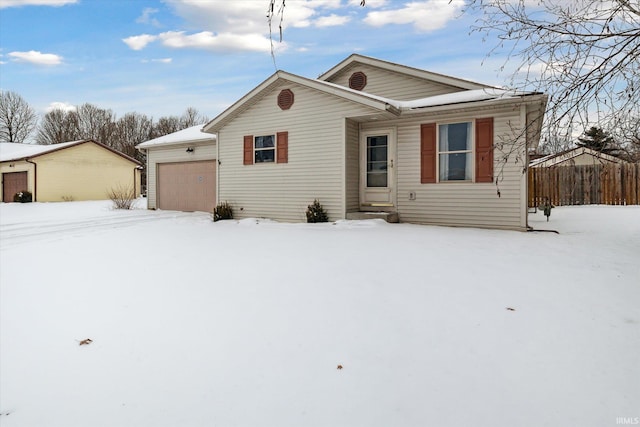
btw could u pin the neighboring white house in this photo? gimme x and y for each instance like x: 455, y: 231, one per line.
x: 579, y: 156
x: 375, y: 136
x: 181, y: 170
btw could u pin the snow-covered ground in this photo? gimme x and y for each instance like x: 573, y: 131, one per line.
x: 196, y: 323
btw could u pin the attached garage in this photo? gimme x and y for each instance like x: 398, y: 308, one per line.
x: 182, y: 171
x: 12, y: 183
x: 187, y: 186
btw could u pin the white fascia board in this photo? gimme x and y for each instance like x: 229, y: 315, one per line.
x: 362, y: 98
x: 403, y: 69
x: 214, y: 124
x: 482, y: 104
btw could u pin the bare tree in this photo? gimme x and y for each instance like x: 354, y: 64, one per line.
x: 628, y: 137
x: 192, y: 117
x: 166, y: 125
x: 584, y: 53
x: 131, y: 129
x: 58, y: 126
x: 96, y: 123
x: 17, y: 119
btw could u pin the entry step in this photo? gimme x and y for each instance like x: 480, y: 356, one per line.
x: 387, y: 216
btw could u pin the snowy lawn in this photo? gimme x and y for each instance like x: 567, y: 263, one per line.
x: 246, y: 323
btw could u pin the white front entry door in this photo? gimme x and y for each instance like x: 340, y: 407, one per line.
x: 377, y: 169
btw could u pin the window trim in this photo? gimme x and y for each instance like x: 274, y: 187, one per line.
x: 471, y: 152
x: 274, y: 148
x: 280, y: 148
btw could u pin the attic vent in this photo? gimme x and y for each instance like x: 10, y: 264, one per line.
x: 285, y: 99
x: 358, y: 80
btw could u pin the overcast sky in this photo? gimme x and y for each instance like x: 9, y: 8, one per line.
x: 158, y: 57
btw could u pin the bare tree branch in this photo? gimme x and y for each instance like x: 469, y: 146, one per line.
x: 585, y: 54
x: 17, y: 119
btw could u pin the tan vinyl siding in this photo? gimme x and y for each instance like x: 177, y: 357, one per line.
x: 316, y: 156
x: 464, y: 204
x: 393, y: 85
x: 352, y: 167
x: 83, y: 172
x: 173, y: 154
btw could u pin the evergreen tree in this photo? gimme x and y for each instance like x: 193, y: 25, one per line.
x: 597, y: 139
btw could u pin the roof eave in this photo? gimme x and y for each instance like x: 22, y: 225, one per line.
x: 415, y: 72
x: 141, y: 146
x: 519, y: 100
x: 218, y: 122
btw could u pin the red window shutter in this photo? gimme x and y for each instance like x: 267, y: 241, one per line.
x: 283, y: 147
x: 428, y: 153
x: 484, y: 150
x: 248, y: 150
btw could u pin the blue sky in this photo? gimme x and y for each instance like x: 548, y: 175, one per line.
x: 158, y: 57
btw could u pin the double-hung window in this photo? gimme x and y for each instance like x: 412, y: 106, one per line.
x: 264, y: 149
x: 455, y: 152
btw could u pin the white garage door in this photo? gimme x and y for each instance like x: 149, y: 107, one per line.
x: 187, y: 186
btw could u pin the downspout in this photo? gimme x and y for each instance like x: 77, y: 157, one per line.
x: 134, y: 182
x: 35, y: 179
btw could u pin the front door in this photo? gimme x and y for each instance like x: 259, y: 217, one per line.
x: 377, y: 172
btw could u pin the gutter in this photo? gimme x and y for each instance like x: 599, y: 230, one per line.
x: 35, y: 178
x: 392, y: 109
x: 466, y: 105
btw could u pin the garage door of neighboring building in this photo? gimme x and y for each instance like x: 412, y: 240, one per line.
x: 12, y: 183
x: 187, y: 186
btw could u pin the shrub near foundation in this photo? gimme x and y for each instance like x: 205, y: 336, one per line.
x: 23, y: 197
x: 316, y: 213
x: 222, y: 211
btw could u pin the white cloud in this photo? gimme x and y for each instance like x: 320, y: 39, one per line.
x: 331, y: 20
x: 160, y: 60
x: 248, y: 17
x: 18, y: 3
x: 370, y: 3
x: 425, y: 16
x: 35, y: 57
x: 146, y: 17
x: 139, y: 42
x: 239, y: 17
x: 64, y: 106
x: 217, y: 42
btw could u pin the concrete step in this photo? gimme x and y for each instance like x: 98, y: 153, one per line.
x: 387, y: 216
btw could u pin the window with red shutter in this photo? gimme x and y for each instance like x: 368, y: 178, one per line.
x: 266, y: 148
x: 428, y: 153
x: 450, y: 144
x: 283, y: 147
x: 484, y: 150
x: 248, y: 150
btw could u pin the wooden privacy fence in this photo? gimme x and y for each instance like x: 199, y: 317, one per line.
x: 611, y: 184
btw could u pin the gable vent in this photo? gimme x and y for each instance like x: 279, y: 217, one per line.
x: 285, y: 99
x: 358, y: 80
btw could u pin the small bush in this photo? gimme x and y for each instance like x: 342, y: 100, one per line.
x: 223, y: 211
x: 316, y: 213
x: 122, y: 197
x: 23, y: 197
